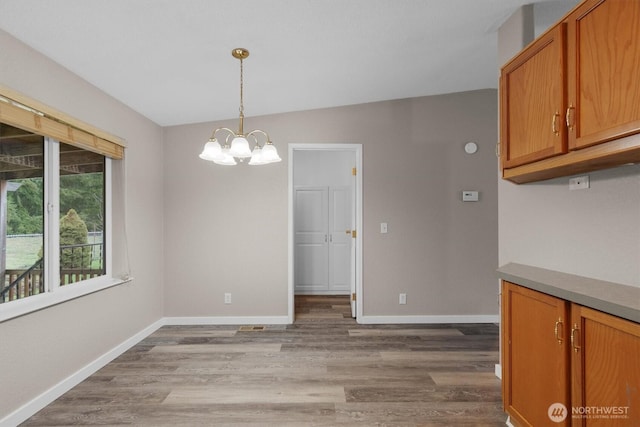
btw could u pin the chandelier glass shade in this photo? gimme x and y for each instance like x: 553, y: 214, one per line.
x: 225, y: 146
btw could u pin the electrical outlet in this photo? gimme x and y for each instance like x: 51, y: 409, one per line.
x: 383, y: 227
x: 227, y: 298
x: 579, y: 182
x: 402, y: 299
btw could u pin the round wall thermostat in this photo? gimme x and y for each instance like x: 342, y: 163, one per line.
x: 470, y: 147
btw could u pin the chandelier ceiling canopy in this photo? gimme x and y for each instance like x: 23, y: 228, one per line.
x: 237, y: 145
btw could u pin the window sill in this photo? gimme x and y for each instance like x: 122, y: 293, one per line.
x: 12, y: 309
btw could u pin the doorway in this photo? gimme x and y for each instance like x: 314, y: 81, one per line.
x: 325, y: 217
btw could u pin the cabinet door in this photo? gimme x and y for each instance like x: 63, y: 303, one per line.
x: 535, y: 355
x: 605, y: 366
x: 604, y: 70
x: 532, y: 102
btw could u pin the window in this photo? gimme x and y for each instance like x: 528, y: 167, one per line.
x: 21, y: 213
x: 82, y: 214
x: 77, y: 230
x: 55, y: 209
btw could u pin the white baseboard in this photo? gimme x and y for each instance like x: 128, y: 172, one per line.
x: 429, y: 319
x: 230, y: 320
x: 30, y: 408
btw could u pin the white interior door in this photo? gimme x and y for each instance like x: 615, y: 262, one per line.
x: 340, y: 225
x: 353, y: 254
x: 311, y: 239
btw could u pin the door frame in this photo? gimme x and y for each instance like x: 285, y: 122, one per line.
x: 357, y: 150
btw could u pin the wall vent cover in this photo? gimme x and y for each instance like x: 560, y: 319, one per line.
x: 251, y: 328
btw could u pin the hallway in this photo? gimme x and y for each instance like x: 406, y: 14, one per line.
x: 319, y: 308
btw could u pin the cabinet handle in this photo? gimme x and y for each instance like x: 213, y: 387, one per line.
x: 554, y: 128
x: 569, y: 117
x: 555, y: 331
x: 573, y: 338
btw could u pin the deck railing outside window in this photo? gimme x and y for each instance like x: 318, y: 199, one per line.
x: 85, y: 262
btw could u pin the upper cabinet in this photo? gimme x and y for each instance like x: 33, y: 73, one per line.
x: 533, y: 100
x: 570, y: 102
x: 604, y: 72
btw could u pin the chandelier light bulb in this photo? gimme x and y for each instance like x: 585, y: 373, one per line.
x: 212, y: 150
x: 226, y: 159
x: 256, y: 156
x: 270, y: 154
x: 240, y: 147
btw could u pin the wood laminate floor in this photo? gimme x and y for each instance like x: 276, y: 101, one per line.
x: 324, y: 370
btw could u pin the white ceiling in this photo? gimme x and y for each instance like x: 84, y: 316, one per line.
x: 171, y: 60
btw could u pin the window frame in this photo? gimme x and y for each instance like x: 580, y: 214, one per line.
x: 54, y: 293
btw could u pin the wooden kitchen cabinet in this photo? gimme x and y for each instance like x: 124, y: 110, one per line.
x: 578, y: 110
x: 533, y: 102
x: 535, y: 355
x: 604, y: 65
x: 605, y: 365
x: 554, y: 351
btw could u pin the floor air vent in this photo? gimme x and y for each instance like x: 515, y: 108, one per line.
x: 251, y: 328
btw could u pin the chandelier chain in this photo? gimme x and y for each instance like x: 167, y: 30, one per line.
x: 241, y: 87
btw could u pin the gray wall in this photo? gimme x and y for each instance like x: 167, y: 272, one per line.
x: 226, y: 228
x: 593, y: 232
x: 40, y: 349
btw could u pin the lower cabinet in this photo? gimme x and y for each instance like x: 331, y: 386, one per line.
x: 605, y: 361
x: 565, y: 364
x: 535, y: 353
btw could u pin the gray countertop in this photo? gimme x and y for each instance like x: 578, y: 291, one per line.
x: 612, y: 298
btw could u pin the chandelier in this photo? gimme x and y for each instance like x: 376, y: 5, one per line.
x: 236, y: 145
